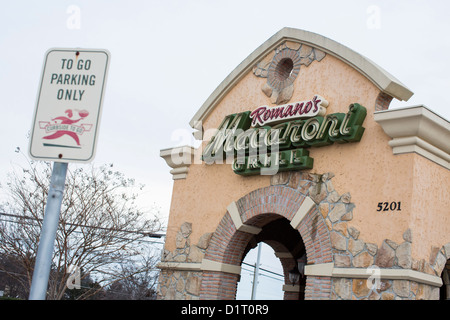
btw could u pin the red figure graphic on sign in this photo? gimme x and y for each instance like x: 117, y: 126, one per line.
x: 66, y: 120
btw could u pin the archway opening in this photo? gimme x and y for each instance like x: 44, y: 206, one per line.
x: 287, y: 247
x: 286, y: 220
x: 262, y: 275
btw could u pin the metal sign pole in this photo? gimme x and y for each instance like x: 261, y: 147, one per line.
x: 43, y: 262
x: 65, y: 129
x: 256, y: 273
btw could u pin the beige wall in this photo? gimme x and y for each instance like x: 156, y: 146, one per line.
x: 430, y: 218
x: 367, y: 170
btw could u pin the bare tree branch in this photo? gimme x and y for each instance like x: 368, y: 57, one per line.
x: 100, y: 226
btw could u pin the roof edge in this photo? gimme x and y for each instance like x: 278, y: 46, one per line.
x: 377, y: 75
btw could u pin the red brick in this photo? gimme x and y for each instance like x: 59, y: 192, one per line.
x: 227, y: 245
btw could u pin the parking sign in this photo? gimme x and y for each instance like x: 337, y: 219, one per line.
x: 69, y: 104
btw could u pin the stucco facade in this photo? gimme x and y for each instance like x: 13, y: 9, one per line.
x: 379, y: 203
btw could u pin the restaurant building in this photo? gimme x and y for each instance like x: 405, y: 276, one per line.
x: 300, y: 150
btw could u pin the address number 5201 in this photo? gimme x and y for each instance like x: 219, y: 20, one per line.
x: 389, y: 206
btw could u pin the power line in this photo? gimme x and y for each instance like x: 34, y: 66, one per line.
x: 114, y: 236
x: 262, y: 274
x: 278, y: 274
x: 144, y: 233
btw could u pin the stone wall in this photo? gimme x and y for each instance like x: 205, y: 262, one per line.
x: 175, y: 284
x: 349, y: 251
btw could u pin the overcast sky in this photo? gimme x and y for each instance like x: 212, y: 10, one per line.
x: 168, y: 56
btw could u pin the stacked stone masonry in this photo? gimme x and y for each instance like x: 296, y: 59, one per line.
x: 327, y: 234
x: 177, y: 284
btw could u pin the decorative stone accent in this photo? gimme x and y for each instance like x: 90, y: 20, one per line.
x: 326, y: 228
x: 403, y: 255
x: 385, y: 256
x: 401, y: 288
x: 360, y: 288
x: 338, y: 241
x: 353, y: 232
x: 384, y: 285
x: 282, y: 67
x: 193, y: 285
x: 343, y: 288
x: 186, y: 229
x: 338, y: 211
x: 363, y: 260
x: 355, y: 246
x: 387, y: 296
x: 349, y: 251
x: 407, y: 236
x: 179, y: 284
x: 372, y: 248
x: 446, y: 250
x: 342, y: 228
x: 342, y: 260
x: 280, y: 178
x: 204, y: 240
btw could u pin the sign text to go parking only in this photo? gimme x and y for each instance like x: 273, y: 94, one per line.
x: 69, y: 104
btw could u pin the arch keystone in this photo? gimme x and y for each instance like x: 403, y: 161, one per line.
x: 305, y: 207
x: 236, y: 218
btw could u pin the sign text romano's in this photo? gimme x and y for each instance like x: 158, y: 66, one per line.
x: 257, y: 148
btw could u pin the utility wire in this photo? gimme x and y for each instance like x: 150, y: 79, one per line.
x: 278, y: 274
x: 148, y: 234
x: 262, y: 274
x: 77, y: 231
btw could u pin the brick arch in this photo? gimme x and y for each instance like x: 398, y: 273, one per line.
x: 256, y: 209
x: 383, y: 101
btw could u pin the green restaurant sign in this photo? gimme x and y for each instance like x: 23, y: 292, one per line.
x: 273, y: 139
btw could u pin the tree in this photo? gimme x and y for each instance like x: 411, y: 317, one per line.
x: 101, y: 230
x: 138, y: 285
x: 11, y: 277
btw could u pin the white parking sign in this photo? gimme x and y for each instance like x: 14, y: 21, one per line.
x: 69, y: 103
